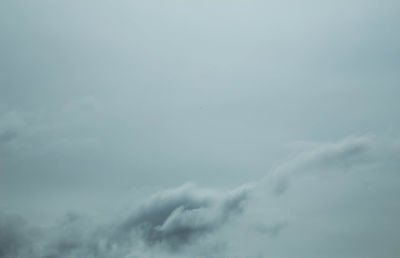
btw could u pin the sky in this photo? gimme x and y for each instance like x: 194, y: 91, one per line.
x: 202, y: 128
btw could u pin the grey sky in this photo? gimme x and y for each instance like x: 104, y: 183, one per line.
x: 103, y: 103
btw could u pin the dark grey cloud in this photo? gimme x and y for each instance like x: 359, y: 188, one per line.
x: 13, y: 236
x: 175, y: 218
x: 72, y: 237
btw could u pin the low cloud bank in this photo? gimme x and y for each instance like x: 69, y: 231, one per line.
x: 174, y: 219
x: 171, y: 219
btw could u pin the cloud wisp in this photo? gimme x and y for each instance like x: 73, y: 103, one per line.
x: 321, y: 159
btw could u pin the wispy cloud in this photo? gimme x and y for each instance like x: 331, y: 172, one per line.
x: 322, y: 158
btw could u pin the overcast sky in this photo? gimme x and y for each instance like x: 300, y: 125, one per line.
x: 204, y: 128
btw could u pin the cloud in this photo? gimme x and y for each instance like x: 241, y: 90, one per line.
x: 71, y: 238
x: 176, y: 217
x: 13, y: 237
x: 322, y: 158
x: 175, y: 220
x: 172, y: 219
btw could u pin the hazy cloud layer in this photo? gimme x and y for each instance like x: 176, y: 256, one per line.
x: 103, y: 103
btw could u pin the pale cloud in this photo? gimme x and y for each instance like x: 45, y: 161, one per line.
x: 323, y: 158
